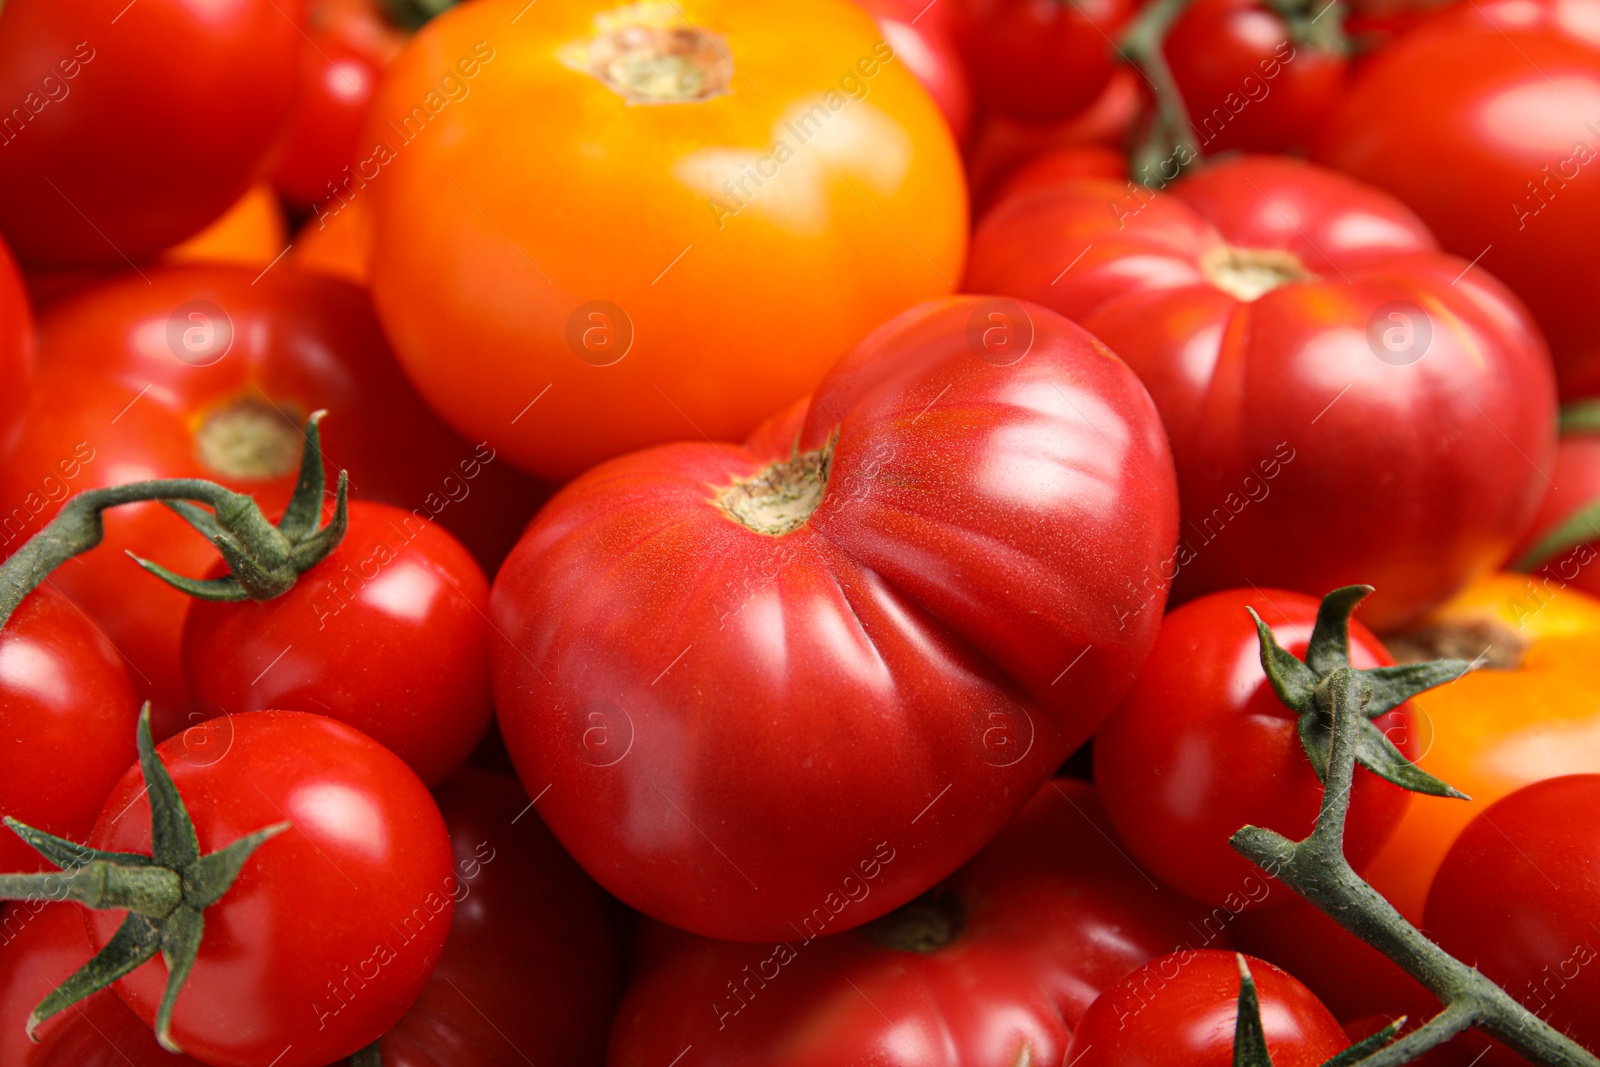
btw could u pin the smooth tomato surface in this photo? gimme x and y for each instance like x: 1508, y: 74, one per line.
x: 669, y: 259
x: 1500, y: 96
x: 992, y: 969
x: 389, y: 634
x: 67, y: 714
x: 732, y: 719
x: 16, y: 348
x: 333, y: 927
x: 1202, y: 746
x: 1180, y: 1011
x: 1041, y: 61
x: 109, y: 105
x: 924, y: 39
x: 1313, y: 357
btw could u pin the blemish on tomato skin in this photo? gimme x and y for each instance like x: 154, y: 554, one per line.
x: 648, y: 53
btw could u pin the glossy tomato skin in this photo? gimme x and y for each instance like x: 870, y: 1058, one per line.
x: 1180, y: 1011
x: 1014, y: 948
x: 1294, y: 409
x: 925, y: 41
x: 200, y: 373
x: 657, y: 301
x: 1502, y: 96
x: 332, y: 928
x: 105, y: 171
x: 67, y: 713
x: 1056, y: 166
x: 1249, y: 86
x: 530, y: 973
x: 389, y: 634
x: 1575, y: 485
x: 42, y: 944
x: 16, y: 349
x: 1038, y: 60
x: 1516, y: 896
x: 808, y: 700
x: 1202, y: 746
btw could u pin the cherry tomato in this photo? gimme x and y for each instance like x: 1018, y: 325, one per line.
x: 992, y: 969
x: 530, y: 972
x: 333, y: 927
x: 40, y: 945
x: 1202, y: 746
x: 924, y: 39
x: 1041, y: 60
x: 1180, y: 1011
x: 210, y: 372
x: 1575, y: 486
x: 131, y: 127
x: 788, y: 153
x: 1314, y: 358
x: 389, y: 634
x: 67, y: 713
x: 1501, y: 96
x: 16, y: 349
x: 1249, y: 84
x: 1530, y: 711
x: 745, y: 672
x: 1516, y: 896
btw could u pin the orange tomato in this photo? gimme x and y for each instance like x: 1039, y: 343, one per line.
x: 252, y: 234
x: 653, y: 221
x: 335, y: 240
x: 1531, y: 712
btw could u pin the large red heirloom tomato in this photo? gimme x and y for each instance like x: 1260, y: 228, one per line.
x: 750, y: 675
x: 1483, y: 121
x: 673, y: 217
x: 1346, y: 405
x: 992, y: 969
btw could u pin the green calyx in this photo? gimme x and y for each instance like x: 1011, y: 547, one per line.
x: 1306, y: 688
x: 165, y: 893
x: 1583, y: 526
x: 1250, y: 1037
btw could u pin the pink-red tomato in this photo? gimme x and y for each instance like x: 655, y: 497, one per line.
x: 16, y: 349
x: 1316, y: 362
x: 333, y: 927
x: 129, y: 127
x: 1041, y: 60
x: 745, y: 672
x: 992, y: 969
x: 389, y: 634
x: 924, y: 39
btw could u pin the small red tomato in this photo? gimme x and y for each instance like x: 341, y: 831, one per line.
x: 389, y: 634
x: 1180, y: 1011
x: 333, y: 927
x: 992, y: 969
x: 1247, y: 83
x: 923, y: 39
x: 1054, y: 166
x: 530, y: 973
x: 41, y: 944
x: 16, y: 349
x: 131, y: 126
x: 746, y: 671
x: 1316, y: 361
x: 1041, y: 60
x: 1516, y: 896
x: 1202, y: 746
x: 67, y: 716
x: 1574, y: 488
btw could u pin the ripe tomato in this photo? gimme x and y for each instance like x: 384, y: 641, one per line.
x: 992, y: 969
x: 1502, y: 97
x: 1531, y: 711
x: 530, y: 972
x: 739, y: 698
x: 210, y: 372
x: 1516, y: 896
x: 1248, y: 83
x: 1202, y: 746
x: 1575, y: 487
x: 16, y: 349
x: 338, y: 242
x: 108, y: 105
x: 67, y: 714
x: 40, y: 945
x: 332, y: 928
x: 389, y: 634
x: 252, y: 233
x: 637, y: 242
x: 1055, y: 166
x: 924, y: 39
x: 1313, y: 358
x: 1180, y: 1011
x: 1041, y: 60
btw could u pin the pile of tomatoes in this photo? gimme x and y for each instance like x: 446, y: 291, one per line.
x: 809, y: 470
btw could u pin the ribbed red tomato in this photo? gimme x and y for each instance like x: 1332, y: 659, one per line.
x: 749, y: 673
x: 1317, y: 364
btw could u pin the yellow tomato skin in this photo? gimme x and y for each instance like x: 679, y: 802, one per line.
x: 511, y: 190
x: 1495, y: 730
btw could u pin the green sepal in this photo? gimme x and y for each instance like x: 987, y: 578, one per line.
x: 136, y: 941
x: 1376, y: 753
x: 304, y: 512
x: 1579, y: 417
x: 1329, y: 648
x: 173, y: 843
x: 371, y: 1056
x: 180, y: 944
x: 217, y: 590
x: 1249, y: 1037
x: 1393, y: 686
x: 69, y: 855
x: 1293, y: 681
x: 197, y: 517
x: 316, y: 547
x: 1580, y: 528
x: 1367, y: 1045
x: 219, y: 870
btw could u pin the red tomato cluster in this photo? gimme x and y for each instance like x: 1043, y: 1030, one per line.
x: 673, y: 532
